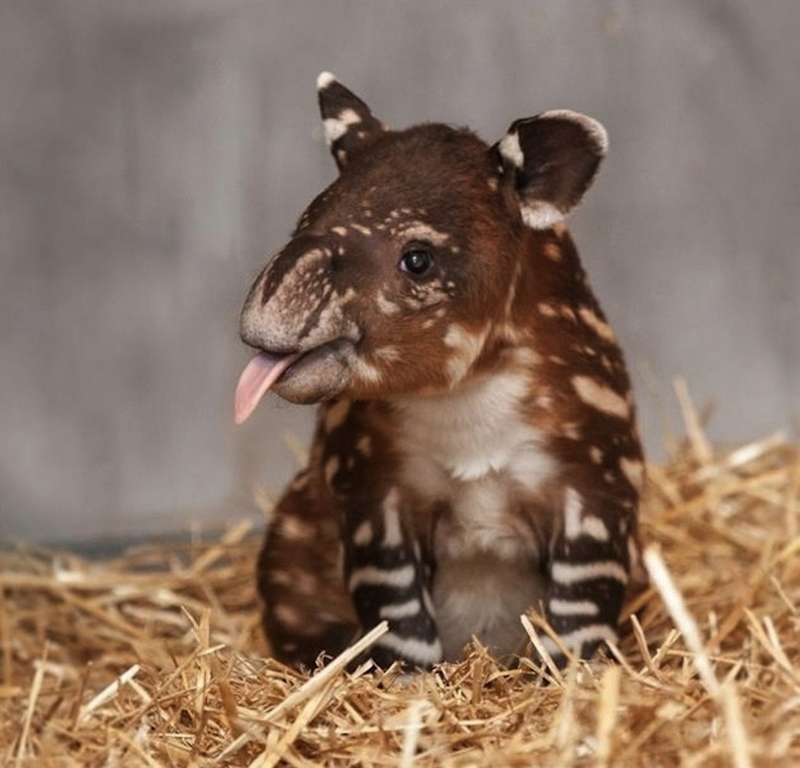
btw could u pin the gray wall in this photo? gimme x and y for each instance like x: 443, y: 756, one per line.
x: 152, y: 154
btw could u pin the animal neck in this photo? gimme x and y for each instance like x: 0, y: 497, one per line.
x: 467, y: 430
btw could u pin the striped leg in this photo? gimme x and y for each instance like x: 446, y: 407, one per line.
x: 589, y: 571
x: 388, y: 579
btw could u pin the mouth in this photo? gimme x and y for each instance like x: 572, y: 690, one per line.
x: 267, y: 369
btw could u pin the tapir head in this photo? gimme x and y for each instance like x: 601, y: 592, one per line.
x: 400, y: 272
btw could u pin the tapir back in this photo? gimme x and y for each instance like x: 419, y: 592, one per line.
x: 476, y: 453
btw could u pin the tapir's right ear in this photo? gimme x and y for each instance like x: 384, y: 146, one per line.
x: 349, y: 124
x: 551, y: 160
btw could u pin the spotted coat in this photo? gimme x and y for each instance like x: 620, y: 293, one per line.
x: 476, y: 453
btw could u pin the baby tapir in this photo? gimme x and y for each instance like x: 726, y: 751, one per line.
x: 476, y: 452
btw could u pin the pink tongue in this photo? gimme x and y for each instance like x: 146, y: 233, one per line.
x: 257, y: 377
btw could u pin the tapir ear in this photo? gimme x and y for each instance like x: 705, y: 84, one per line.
x: 349, y: 124
x: 552, y: 160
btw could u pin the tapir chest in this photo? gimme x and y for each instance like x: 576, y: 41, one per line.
x: 474, y: 457
x: 482, y: 473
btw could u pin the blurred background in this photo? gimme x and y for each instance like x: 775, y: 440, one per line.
x: 154, y: 154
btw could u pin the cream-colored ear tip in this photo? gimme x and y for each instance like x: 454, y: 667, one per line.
x: 325, y: 79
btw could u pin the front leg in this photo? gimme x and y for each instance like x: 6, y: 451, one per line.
x: 387, y: 568
x: 388, y: 576
x: 590, y: 564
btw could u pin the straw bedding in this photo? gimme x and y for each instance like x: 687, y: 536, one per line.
x: 155, y: 658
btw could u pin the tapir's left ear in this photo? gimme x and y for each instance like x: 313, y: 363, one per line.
x: 552, y: 160
x: 349, y: 124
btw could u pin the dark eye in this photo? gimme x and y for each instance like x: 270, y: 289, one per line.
x: 416, y: 261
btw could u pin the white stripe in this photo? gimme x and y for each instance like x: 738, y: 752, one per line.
x: 392, y: 577
x: 428, y: 603
x: 393, y: 534
x: 574, y: 640
x: 573, y: 607
x: 573, y: 505
x: 413, y: 648
x: 569, y: 573
x: 401, y: 610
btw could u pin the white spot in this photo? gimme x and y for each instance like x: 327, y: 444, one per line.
x: 538, y: 214
x: 386, y: 306
x: 389, y: 353
x: 525, y: 357
x: 341, y: 231
x: 331, y: 468
x: 295, y: 529
x: 413, y: 648
x: 280, y: 578
x: 573, y: 607
x: 548, y: 310
x: 570, y: 430
x: 418, y: 230
x: 401, y: 610
x: 634, y: 471
x: 287, y: 615
x: 544, y: 401
x: 300, y: 482
x: 599, y: 396
x: 511, y: 150
x: 364, y: 445
x: 393, y: 533
x: 511, y: 296
x: 336, y: 127
x: 575, y: 573
x: 553, y: 252
x: 362, y: 536
x: 402, y: 576
x: 596, y: 455
x: 366, y: 231
x: 336, y: 414
x: 600, y: 327
x: 365, y: 371
x: 466, y: 347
